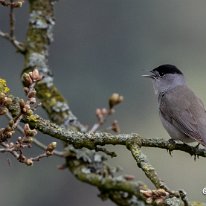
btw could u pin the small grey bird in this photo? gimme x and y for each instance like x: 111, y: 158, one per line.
x: 182, y: 113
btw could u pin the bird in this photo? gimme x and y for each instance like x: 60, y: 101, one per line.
x: 181, y: 112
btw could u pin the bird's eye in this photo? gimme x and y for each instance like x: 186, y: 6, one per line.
x: 162, y: 74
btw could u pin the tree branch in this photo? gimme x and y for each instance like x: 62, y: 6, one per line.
x: 18, y: 45
x: 12, y: 4
x: 148, y: 169
x: 11, y: 20
x: 91, y: 140
x: 39, y: 37
x: 10, y: 36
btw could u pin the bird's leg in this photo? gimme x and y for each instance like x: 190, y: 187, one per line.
x: 197, y: 146
x: 172, y: 142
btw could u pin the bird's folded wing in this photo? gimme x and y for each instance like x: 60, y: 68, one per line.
x: 184, y: 111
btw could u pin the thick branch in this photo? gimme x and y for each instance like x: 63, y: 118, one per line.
x: 119, y: 189
x: 39, y: 37
x: 143, y: 163
x: 91, y: 140
x: 109, y: 183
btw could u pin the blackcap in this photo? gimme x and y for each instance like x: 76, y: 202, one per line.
x: 182, y: 113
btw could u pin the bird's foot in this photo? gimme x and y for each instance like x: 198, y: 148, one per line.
x: 172, y: 142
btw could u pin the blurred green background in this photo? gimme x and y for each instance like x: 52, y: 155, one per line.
x: 101, y: 47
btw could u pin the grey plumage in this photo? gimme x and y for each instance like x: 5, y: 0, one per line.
x: 186, y: 113
x: 182, y: 113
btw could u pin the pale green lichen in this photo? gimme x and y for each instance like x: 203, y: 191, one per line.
x: 3, y: 86
x: 173, y: 202
x: 38, y: 60
x: 32, y: 118
x: 198, y: 204
x: 60, y: 107
x: 38, y: 20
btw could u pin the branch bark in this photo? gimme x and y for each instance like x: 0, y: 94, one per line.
x: 91, y: 140
x: 39, y: 37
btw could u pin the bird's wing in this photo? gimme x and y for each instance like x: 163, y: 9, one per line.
x: 185, y: 112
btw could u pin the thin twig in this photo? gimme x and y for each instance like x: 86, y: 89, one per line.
x: 18, y: 156
x: 95, y: 127
x: 11, y: 20
x: 102, y: 116
x: 43, y: 146
x: 18, y: 45
x: 15, y: 4
x: 7, y: 149
x: 104, y: 150
x: 10, y: 36
x: 34, y: 140
x: 39, y: 157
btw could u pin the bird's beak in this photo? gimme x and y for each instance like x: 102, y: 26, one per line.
x: 152, y: 76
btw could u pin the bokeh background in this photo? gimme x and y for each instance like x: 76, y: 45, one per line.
x: 101, y: 47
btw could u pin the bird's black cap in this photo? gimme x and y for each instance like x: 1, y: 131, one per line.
x: 166, y: 69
